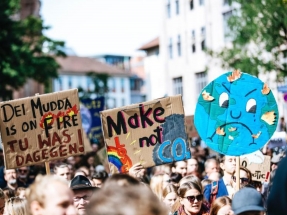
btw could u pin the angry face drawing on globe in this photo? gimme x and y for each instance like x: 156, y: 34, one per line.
x: 236, y: 114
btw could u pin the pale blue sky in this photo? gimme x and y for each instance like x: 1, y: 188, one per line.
x: 92, y: 27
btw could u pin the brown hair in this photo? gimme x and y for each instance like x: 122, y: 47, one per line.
x: 249, y: 175
x: 186, y: 187
x: 191, y: 178
x: 18, y: 190
x: 219, y: 203
x: 135, y: 200
x: 169, y: 189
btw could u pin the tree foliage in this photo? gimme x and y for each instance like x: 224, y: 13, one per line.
x: 258, y: 29
x: 25, y: 52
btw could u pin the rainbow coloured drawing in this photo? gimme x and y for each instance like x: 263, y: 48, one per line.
x: 119, y: 159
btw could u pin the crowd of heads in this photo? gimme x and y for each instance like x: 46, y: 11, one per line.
x: 81, y: 185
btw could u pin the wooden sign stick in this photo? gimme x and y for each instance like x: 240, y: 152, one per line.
x: 48, y: 171
x: 237, y: 173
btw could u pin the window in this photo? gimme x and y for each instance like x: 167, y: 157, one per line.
x: 225, y: 2
x: 193, y: 46
x: 90, y: 84
x: 111, y: 103
x: 123, y: 102
x: 170, y: 48
x: 60, y: 81
x: 226, y: 29
x: 176, y: 7
x: 178, y: 45
x: 201, y: 2
x: 70, y: 82
x: 122, y: 85
x: 177, y: 86
x: 168, y: 9
x: 112, y: 85
x: 203, y: 35
x: 191, y: 4
x: 201, y: 81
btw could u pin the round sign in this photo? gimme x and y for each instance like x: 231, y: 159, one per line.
x: 236, y: 114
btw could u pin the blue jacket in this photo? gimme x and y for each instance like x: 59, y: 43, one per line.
x: 222, y: 190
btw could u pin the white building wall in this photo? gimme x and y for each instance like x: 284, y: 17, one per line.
x: 114, y: 99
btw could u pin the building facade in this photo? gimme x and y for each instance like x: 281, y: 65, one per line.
x: 73, y: 74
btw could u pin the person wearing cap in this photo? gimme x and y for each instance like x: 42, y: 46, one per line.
x: 248, y: 201
x: 83, y: 191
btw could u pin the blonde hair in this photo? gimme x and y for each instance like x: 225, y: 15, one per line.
x: 169, y: 189
x: 156, y: 185
x: 37, y: 191
x: 16, y: 206
x: 219, y: 203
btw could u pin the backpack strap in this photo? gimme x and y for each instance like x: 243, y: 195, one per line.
x: 214, y: 191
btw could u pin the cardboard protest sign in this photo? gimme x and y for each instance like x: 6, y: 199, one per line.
x: 236, y: 114
x: 152, y: 133
x: 41, y: 128
x: 90, y: 113
x: 190, y: 128
x: 258, y: 164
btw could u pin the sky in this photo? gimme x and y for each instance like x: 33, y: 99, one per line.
x: 93, y: 27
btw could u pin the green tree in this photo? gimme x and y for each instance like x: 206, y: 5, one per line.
x: 25, y: 52
x: 258, y: 29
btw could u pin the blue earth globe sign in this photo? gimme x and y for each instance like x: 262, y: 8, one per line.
x: 236, y: 114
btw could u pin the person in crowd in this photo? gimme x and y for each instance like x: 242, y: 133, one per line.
x: 10, y: 176
x: 179, y: 167
x: 156, y: 185
x: 122, y: 180
x: 20, y: 192
x: 214, y: 176
x: 50, y: 195
x: 16, y: 206
x: 247, y: 201
x: 132, y: 200
x: 275, y: 161
x: 224, y: 187
x: 166, y: 179
x: 191, y: 200
x: 83, y: 191
x: 277, y: 198
x: 23, y: 176
x: 192, y: 167
x: 9, y: 193
x: 99, y: 178
x: 221, y: 206
x: 205, y: 182
x: 245, y: 177
x: 2, y: 202
x: 211, y: 165
x: 80, y: 172
x: 175, y: 178
x: 282, y: 124
x: 62, y: 170
x: 169, y: 196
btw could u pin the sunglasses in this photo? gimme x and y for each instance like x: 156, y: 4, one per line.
x: 191, y: 199
x: 23, y: 170
x: 242, y: 180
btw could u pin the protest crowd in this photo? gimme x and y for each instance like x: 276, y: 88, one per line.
x: 204, y: 184
x: 144, y: 163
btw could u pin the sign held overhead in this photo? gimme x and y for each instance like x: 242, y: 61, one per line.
x: 41, y: 128
x: 152, y: 133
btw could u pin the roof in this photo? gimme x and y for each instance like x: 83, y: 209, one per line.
x: 75, y: 64
x: 152, y: 44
